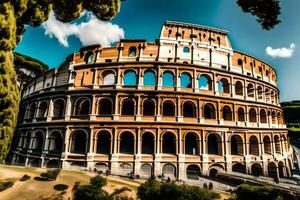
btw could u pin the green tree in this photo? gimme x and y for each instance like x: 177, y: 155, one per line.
x: 14, y: 15
x: 247, y: 192
x: 266, y: 11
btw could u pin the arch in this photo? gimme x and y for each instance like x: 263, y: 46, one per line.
x: 38, y: 142
x: 130, y: 78
x: 241, y: 114
x: 277, y: 144
x: 214, y: 144
x: 82, y: 106
x: 224, y: 86
x: 59, y: 108
x: 168, y: 79
x: 169, y: 171
x: 126, y: 169
x: 148, y: 143
x: 193, y: 172
x: 259, y: 93
x: 267, y: 95
x: 169, y: 143
x: 205, y: 82
x: 273, y: 117
x: 108, y: 78
x: 281, y: 169
x: 191, y: 144
x: 252, y: 115
x: 132, y: 51
x: 272, y: 170
x: 127, y: 143
x: 267, y: 144
x: 79, y: 142
x: 227, y: 113
x: 209, y: 111
x: 239, y: 167
x: 43, y: 107
x: 250, y: 90
x: 189, y: 109
x: 32, y: 110
x: 105, y: 107
x: 101, y: 167
x: 186, y: 80
x: 186, y: 50
x: 256, y: 169
x: 103, y: 142
x: 128, y: 107
x: 214, y: 170
x: 89, y: 57
x: 26, y: 143
x: 149, y: 78
x: 263, y: 116
x: 253, y: 145
x: 55, y: 142
x: 240, y: 62
x: 148, y: 108
x: 236, y: 143
x: 239, y: 88
x: 146, y: 170
x: 168, y: 108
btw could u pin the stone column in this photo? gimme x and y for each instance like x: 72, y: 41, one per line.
x: 115, y: 154
x: 90, y: 154
x: 138, y: 155
x: 68, y: 108
x: 93, y: 112
x: 157, y: 157
x: 50, y: 111
x: 138, y: 116
x: 181, y: 157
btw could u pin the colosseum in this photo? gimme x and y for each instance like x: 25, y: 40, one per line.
x: 183, y: 106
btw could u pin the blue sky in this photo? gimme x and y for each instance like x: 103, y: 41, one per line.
x: 144, y: 18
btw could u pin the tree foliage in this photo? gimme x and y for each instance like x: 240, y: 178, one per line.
x: 266, y: 11
x: 152, y: 189
x: 247, y: 192
x: 14, y: 15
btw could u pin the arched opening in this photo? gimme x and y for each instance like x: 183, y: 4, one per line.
x: 259, y: 93
x: 32, y: 110
x: 272, y: 170
x: 273, y: 117
x: 241, y: 114
x: 224, y: 85
x: 89, y: 58
x: 104, y: 143
x: 108, y: 78
x: 105, y: 107
x: 240, y: 62
x: 132, y: 51
x: 38, y: 142
x: 267, y: 145
x: 205, y: 82
x: 239, y: 89
x: 267, y: 95
x: 82, y: 107
x: 227, y: 114
x: 256, y: 169
x: 168, y: 79
x: 130, y: 78
x: 55, y: 142
x: 147, y: 143
x: 252, y: 115
x: 189, y: 109
x: 209, y: 111
x: 277, y: 144
x: 79, y: 141
x: 146, y: 170
x: 26, y: 143
x: 214, y: 145
x: 127, y: 143
x: 168, y: 108
x: 186, y: 50
x: 42, y: 110
x: 193, y: 172
x: 281, y: 169
x: 254, y: 149
x: 185, y: 80
x: 148, y: 108
x: 101, y: 167
x: 149, y: 78
x: 239, y: 167
x: 250, y: 90
x: 59, y: 108
x: 263, y: 116
x: 128, y: 107
x: 169, y: 171
x: 169, y: 143
x: 125, y: 169
x: 236, y: 145
x: 191, y: 144
x: 213, y: 173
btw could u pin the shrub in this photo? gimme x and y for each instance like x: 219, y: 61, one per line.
x: 5, y: 185
x: 247, y: 192
x: 25, y: 178
x: 60, y: 187
x: 98, y: 181
x: 51, y: 174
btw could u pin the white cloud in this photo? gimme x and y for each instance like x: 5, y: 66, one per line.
x: 281, y: 52
x: 93, y: 31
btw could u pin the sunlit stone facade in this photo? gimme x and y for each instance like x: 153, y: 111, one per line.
x: 185, y: 105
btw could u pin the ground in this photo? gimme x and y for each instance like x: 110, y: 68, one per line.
x: 43, y: 190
